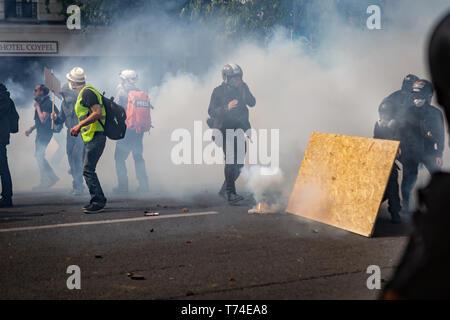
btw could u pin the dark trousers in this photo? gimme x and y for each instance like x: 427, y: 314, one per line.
x: 5, y: 175
x: 392, y: 192
x: 132, y: 143
x: 74, y: 149
x: 91, y: 154
x: 234, y: 165
x: 42, y: 141
x: 410, y: 172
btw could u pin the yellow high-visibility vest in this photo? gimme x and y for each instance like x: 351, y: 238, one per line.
x: 82, y: 112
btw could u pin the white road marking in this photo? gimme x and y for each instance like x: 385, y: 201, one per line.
x: 75, y: 224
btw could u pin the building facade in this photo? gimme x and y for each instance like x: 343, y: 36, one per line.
x: 28, y: 28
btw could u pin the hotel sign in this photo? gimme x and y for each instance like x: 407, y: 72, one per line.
x: 29, y: 47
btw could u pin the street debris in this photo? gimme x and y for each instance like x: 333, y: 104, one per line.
x: 151, y: 214
x: 188, y: 242
x: 137, y: 277
x: 316, y: 231
x: 152, y: 230
x: 98, y: 256
x: 185, y: 210
x: 261, y: 208
x: 232, y: 279
x: 189, y: 293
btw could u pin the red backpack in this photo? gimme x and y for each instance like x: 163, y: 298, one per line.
x: 138, y: 111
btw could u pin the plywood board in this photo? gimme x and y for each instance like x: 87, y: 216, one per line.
x: 52, y: 83
x: 342, y: 179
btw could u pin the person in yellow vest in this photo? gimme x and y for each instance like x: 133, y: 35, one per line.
x: 90, y: 112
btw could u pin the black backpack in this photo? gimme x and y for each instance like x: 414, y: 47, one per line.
x: 13, y: 119
x: 115, y: 126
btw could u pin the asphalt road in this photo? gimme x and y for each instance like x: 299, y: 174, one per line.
x: 213, y: 251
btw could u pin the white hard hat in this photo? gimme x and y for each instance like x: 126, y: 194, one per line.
x: 129, y: 75
x: 76, y: 75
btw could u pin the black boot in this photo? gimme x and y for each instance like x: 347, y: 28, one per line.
x: 395, y: 218
x: 6, y: 203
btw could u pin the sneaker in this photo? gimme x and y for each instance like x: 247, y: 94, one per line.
x: 47, y: 184
x: 6, y: 203
x: 233, y: 198
x: 93, y: 208
x: 223, y: 194
x: 51, y: 182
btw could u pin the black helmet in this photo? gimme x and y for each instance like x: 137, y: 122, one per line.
x: 408, y: 82
x: 422, y: 92
x: 386, y: 109
x: 424, y: 87
x: 231, y: 70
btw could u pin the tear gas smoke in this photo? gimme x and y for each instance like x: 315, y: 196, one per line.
x: 335, y: 88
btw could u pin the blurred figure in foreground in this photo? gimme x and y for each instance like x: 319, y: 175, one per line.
x: 9, y: 123
x: 423, y: 270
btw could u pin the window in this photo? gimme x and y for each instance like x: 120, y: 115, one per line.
x: 22, y: 9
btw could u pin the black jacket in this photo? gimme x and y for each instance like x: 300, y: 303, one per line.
x: 422, y: 132
x: 46, y: 106
x: 6, y: 105
x: 236, y: 118
x: 433, y: 122
x: 392, y: 112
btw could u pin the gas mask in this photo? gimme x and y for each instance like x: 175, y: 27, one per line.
x: 418, y: 102
x: 72, y: 87
x: 422, y: 93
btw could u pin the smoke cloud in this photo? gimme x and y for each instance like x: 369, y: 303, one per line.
x: 335, y: 87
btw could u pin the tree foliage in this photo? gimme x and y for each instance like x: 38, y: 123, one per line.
x: 107, y: 12
x: 237, y: 18
x: 240, y: 17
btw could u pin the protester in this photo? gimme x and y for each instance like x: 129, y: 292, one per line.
x: 74, y: 145
x: 7, y: 108
x: 90, y: 112
x: 44, y: 133
x: 137, y: 105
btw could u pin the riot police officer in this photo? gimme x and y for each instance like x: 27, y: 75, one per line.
x: 228, y: 111
x: 422, y: 136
